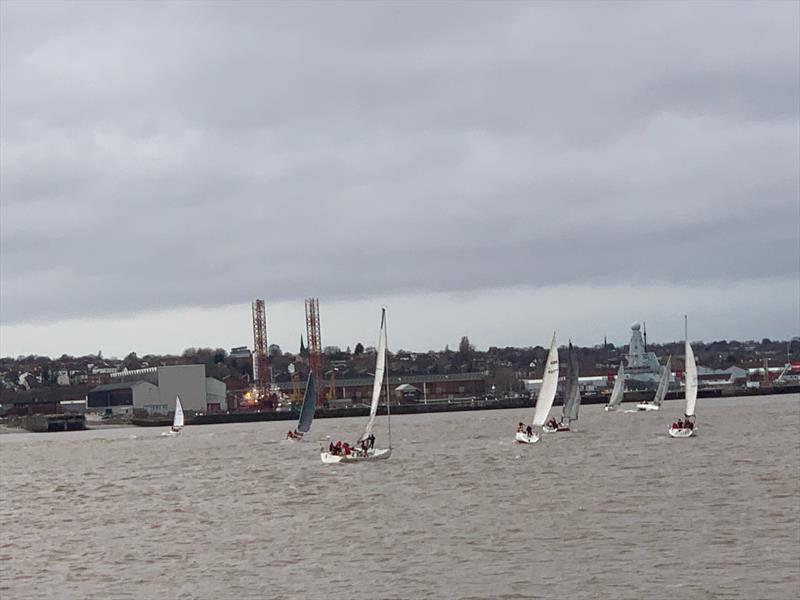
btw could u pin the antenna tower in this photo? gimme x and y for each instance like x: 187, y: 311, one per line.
x: 645, y: 336
x: 260, y: 361
x: 314, y: 339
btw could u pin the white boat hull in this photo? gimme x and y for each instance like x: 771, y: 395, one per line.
x: 524, y: 438
x: 681, y: 432
x: 171, y: 433
x: 608, y: 408
x: 647, y: 406
x: 373, y: 454
x: 559, y: 429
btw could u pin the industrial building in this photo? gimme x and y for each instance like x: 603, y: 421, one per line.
x: 153, y: 391
x: 406, y: 388
x: 122, y: 398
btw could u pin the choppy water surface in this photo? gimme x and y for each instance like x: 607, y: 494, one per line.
x: 615, y: 510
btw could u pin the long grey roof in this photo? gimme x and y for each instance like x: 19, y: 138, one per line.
x: 108, y: 387
x: 400, y: 379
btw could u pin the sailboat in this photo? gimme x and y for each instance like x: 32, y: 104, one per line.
x: 690, y: 378
x: 572, y: 397
x: 364, y: 450
x: 661, y: 391
x: 547, y: 393
x: 177, y: 420
x: 307, y: 410
x: 618, y: 391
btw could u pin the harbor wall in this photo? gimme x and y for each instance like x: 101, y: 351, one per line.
x: 439, y: 407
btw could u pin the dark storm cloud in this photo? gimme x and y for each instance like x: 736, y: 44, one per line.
x: 161, y: 155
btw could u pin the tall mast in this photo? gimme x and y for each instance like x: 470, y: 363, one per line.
x: 386, y: 375
x: 645, y: 336
x: 685, y: 346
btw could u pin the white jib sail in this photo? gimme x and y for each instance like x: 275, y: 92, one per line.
x: 177, y: 421
x: 380, y: 367
x: 547, y: 392
x: 663, y: 383
x: 690, y: 373
x: 619, y: 387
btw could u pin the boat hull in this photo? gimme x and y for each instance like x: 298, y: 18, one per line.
x: 608, y: 408
x: 171, y: 433
x: 646, y: 406
x: 374, y: 454
x: 524, y: 438
x: 681, y: 432
x: 559, y: 429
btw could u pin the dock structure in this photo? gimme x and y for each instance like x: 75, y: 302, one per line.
x: 47, y: 423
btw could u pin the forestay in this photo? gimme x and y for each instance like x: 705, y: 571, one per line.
x: 547, y: 392
x: 309, y: 406
x: 380, y: 367
x: 691, y: 380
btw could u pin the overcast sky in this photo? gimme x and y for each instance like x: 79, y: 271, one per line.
x: 483, y: 169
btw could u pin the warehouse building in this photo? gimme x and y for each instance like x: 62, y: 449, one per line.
x: 121, y: 398
x: 153, y: 391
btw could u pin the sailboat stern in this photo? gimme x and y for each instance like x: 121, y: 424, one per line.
x: 681, y: 432
x: 329, y: 458
x: 523, y: 438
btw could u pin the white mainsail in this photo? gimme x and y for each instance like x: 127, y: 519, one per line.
x: 380, y: 367
x: 547, y: 392
x: 177, y: 421
x: 663, y: 383
x: 619, y: 387
x: 690, y: 374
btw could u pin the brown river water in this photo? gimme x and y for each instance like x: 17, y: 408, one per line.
x: 616, y: 509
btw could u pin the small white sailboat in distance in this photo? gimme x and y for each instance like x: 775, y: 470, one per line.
x: 547, y: 393
x: 619, y: 390
x: 364, y: 450
x: 661, y: 391
x: 177, y: 420
x: 307, y: 411
x: 685, y: 428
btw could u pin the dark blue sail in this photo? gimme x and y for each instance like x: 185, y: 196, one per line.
x: 309, y: 406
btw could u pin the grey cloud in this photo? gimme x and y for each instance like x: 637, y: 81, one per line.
x: 200, y: 154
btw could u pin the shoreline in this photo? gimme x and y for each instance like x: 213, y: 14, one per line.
x: 462, y: 405
x: 473, y: 404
